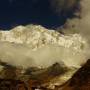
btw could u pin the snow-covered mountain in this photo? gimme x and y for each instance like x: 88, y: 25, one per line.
x: 37, y: 46
x: 37, y: 36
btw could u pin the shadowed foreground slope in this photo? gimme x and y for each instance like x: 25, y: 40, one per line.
x: 81, y: 79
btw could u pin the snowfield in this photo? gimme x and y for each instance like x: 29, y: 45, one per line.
x: 36, y: 46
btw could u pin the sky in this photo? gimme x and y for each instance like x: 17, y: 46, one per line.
x: 23, y: 12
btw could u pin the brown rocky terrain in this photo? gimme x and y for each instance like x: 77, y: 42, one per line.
x: 80, y: 80
x: 12, y: 78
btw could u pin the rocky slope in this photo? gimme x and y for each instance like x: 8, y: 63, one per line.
x: 81, y: 79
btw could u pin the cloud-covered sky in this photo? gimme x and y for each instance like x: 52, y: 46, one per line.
x: 16, y: 12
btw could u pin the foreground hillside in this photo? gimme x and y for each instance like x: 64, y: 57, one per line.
x: 81, y: 79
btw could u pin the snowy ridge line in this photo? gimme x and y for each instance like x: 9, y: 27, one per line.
x: 37, y: 36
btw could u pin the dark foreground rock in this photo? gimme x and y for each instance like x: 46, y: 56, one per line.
x: 81, y: 79
x: 33, y: 79
x: 12, y: 78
